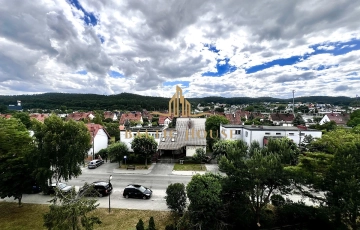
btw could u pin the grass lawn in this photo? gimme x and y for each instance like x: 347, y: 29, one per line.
x: 30, y: 216
x: 189, y: 167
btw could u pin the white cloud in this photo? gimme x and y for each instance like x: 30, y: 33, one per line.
x: 150, y: 42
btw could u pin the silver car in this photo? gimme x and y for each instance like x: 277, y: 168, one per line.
x: 61, y: 186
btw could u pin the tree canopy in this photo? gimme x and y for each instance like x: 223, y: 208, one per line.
x: 61, y: 147
x: 144, y: 145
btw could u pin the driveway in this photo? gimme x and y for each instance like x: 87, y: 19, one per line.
x: 162, y: 169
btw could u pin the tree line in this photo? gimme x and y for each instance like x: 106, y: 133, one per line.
x: 134, y: 102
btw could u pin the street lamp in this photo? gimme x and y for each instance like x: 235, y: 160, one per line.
x: 93, y: 145
x: 110, y: 191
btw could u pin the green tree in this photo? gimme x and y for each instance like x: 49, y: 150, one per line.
x: 117, y: 151
x: 140, y: 225
x: 61, y: 148
x: 176, y: 197
x: 99, y: 117
x: 151, y: 224
x: 24, y: 118
x: 298, y: 120
x: 71, y: 211
x: 354, y: 119
x: 16, y: 148
x: 144, y: 145
x: 212, y: 127
x: 204, y: 192
x: 199, y: 155
x: 256, y: 175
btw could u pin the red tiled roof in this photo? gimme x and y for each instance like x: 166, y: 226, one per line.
x: 94, y: 128
x: 287, y: 117
x: 130, y: 116
x: 77, y: 116
x: 163, y: 118
x: 340, y: 119
x: 235, y: 118
x: 38, y: 116
x: 108, y: 114
x: 7, y: 116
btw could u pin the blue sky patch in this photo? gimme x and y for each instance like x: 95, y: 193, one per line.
x: 338, y: 48
x: 89, y: 18
x: 82, y: 72
x: 115, y: 74
x: 212, y: 48
x: 222, y: 67
x: 172, y: 83
x: 102, y: 39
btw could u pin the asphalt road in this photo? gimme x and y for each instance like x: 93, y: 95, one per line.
x: 157, y: 178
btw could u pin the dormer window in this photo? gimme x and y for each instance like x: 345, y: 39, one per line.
x: 172, y: 139
x: 163, y: 139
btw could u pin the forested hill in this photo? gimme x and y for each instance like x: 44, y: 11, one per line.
x: 127, y: 101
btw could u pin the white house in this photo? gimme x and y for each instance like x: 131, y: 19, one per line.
x: 99, y: 138
x: 261, y: 134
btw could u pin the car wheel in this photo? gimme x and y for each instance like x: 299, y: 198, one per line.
x: 127, y: 196
x: 144, y: 197
x: 100, y: 195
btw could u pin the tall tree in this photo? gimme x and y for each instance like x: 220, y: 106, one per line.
x: 212, y: 124
x: 204, y: 192
x: 117, y: 151
x: 298, y: 120
x: 354, y: 119
x: 258, y: 175
x: 62, y: 148
x: 24, y: 118
x: 16, y: 148
x: 71, y: 211
x: 144, y: 145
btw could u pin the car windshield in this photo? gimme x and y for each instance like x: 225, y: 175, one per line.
x: 61, y: 185
x: 142, y: 189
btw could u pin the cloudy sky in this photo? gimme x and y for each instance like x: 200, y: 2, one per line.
x: 209, y: 48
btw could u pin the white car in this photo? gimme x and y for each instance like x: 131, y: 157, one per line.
x: 61, y: 186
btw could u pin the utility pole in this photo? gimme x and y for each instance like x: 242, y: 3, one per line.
x: 293, y: 103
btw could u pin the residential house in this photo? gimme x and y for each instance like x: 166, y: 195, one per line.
x: 339, y: 118
x: 261, y: 134
x: 110, y: 115
x: 17, y: 107
x: 282, y: 119
x: 235, y: 117
x: 127, y: 135
x: 80, y: 116
x: 165, y: 120
x: 6, y: 116
x: 99, y: 138
x: 131, y: 116
x: 39, y: 116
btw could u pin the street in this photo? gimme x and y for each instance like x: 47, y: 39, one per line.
x: 157, y: 178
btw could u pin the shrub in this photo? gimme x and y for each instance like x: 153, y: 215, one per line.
x: 176, y: 197
x: 151, y: 224
x: 277, y: 200
x: 140, y: 225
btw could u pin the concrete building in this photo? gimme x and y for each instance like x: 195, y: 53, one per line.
x: 261, y: 134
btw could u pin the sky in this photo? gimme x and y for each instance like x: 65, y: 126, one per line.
x: 230, y: 48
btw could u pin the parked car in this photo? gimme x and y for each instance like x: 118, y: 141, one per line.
x: 97, y: 188
x: 137, y: 191
x: 63, y: 187
x: 95, y: 163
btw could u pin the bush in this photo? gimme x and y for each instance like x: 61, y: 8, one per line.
x: 176, y: 197
x: 140, y: 225
x: 151, y: 224
x: 277, y: 200
x: 299, y: 213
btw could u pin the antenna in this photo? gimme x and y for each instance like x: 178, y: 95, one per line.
x: 293, y: 102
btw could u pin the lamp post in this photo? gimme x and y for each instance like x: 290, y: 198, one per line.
x: 110, y: 192
x: 93, y: 145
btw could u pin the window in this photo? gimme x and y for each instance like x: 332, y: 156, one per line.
x: 302, y: 134
x: 267, y: 133
x: 246, y: 133
x: 237, y: 132
x: 278, y: 133
x: 291, y: 134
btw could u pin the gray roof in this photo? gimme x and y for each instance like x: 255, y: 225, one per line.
x: 183, y: 136
x: 264, y: 128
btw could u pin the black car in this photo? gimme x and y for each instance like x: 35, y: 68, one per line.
x: 97, y: 188
x: 137, y: 191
